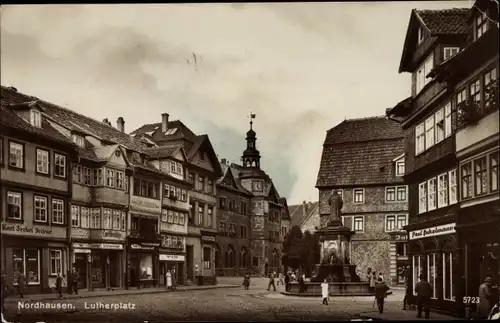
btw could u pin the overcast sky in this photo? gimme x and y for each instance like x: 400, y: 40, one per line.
x: 301, y: 68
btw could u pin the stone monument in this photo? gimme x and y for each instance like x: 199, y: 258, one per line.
x: 335, y: 264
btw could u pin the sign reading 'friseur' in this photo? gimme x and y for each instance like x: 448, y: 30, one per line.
x: 433, y: 231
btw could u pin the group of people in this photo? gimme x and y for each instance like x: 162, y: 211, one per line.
x: 171, y: 280
x: 277, y: 279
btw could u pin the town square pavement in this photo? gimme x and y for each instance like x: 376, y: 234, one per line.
x: 231, y: 303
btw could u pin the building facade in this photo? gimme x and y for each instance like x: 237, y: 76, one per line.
x: 363, y: 160
x: 35, y: 165
x: 429, y: 120
x: 233, y: 236
x: 473, y: 77
x: 202, y: 171
x: 306, y: 216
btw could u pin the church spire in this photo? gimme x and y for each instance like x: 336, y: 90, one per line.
x: 251, y: 156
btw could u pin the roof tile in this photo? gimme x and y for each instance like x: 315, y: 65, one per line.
x: 447, y: 21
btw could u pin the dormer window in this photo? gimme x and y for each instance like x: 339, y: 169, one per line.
x: 36, y: 118
x: 420, y: 35
x: 481, y: 25
x: 78, y: 140
x: 423, y: 71
x: 400, y: 167
x: 449, y: 52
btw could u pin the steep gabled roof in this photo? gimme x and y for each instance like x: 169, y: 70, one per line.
x: 283, y: 202
x: 202, y: 142
x: 446, y: 22
x: 230, y: 179
x: 360, y: 152
x: 75, y: 121
x: 165, y: 151
x: 303, y: 212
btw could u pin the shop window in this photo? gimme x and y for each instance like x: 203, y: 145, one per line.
x: 146, y: 266
x: 26, y: 261
x: 207, y: 255
x: 417, y: 264
x: 55, y: 262
x: 448, y: 276
x: 432, y: 273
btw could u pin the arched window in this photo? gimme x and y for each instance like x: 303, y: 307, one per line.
x: 230, y: 257
x: 243, y: 257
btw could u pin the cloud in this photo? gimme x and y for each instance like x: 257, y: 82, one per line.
x: 301, y: 68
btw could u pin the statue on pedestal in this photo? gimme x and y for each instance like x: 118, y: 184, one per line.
x: 335, y: 202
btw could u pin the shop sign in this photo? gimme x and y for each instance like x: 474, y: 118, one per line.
x: 137, y: 246
x: 82, y: 251
x: 107, y: 234
x: 109, y: 246
x: 208, y: 238
x: 399, y: 237
x: 80, y: 233
x: 433, y: 231
x: 33, y: 230
x: 172, y: 257
x: 145, y: 204
x: 150, y: 244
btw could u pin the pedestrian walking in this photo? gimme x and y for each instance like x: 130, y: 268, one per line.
x: 424, y: 291
x: 271, y: 282
x: 246, y: 281
x: 59, y: 284
x: 380, y: 275
x: 4, y: 290
x: 380, y: 294
x: 174, y: 279
x: 406, y: 298
x: 74, y: 281
x: 325, y: 291
x: 369, y: 274
x: 281, y: 280
x: 21, y: 282
x: 484, y: 294
x: 168, y: 279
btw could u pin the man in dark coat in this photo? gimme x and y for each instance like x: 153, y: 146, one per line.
x: 3, y: 290
x: 380, y: 294
x: 424, y: 292
x: 271, y: 282
x: 287, y: 282
x: 21, y: 282
x: 59, y: 283
x: 74, y: 281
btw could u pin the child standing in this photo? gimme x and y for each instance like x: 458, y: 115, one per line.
x: 324, y: 292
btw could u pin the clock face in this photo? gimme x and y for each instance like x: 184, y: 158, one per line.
x: 257, y: 186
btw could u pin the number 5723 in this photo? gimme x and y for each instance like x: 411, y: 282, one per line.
x: 471, y: 300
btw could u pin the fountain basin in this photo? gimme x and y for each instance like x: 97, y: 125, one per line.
x: 336, y: 289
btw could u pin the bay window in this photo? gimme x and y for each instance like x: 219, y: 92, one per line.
x: 481, y: 24
x: 75, y: 216
x: 422, y: 197
x: 489, y: 79
x: 480, y: 176
x: 419, y: 138
x: 440, y: 128
x: 466, y: 173
x: 443, y: 190
x: 432, y: 273
x: 447, y: 119
x: 429, y: 132
x: 116, y: 219
x: 108, y: 220
x: 448, y: 293
x: 494, y: 172
x: 475, y: 91
x: 110, y: 178
x: 26, y: 261
x: 417, y: 264
x: 452, y: 180
x: 85, y: 217
x: 123, y: 225
x: 431, y: 197
x: 95, y: 218
x: 55, y: 262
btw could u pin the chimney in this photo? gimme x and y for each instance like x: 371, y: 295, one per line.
x: 120, y: 124
x: 223, y: 161
x: 13, y: 88
x: 164, y: 122
x: 106, y: 121
x: 304, y: 207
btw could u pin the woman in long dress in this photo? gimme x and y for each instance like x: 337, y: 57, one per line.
x: 324, y: 292
x: 169, y: 280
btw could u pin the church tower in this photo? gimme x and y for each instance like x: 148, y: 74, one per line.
x: 251, y: 156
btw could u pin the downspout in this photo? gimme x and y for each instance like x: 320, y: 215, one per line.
x: 70, y: 253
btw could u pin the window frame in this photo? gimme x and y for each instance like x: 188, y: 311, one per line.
x: 24, y: 262
x: 51, y: 258
x: 480, y: 175
x: 18, y: 195
x: 447, y: 256
x: 57, y: 166
x: 45, y: 163
x: 466, y: 180
x: 420, y: 138
x: 54, y: 202
x: 493, y: 169
x: 481, y: 24
x: 393, y: 190
x: 22, y: 158
x: 35, y: 118
x: 450, y: 50
x: 434, y: 276
x: 420, y: 35
x: 443, y: 190
x: 85, y: 217
x: 358, y: 190
x: 45, y: 209
x: 398, y: 165
x: 362, y: 217
x: 432, y: 192
x: 398, y: 217
x: 207, y: 264
x: 75, y: 214
x: 422, y: 197
x: 387, y: 217
x: 416, y: 270
x: 430, y: 131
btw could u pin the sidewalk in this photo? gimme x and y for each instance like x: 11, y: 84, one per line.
x: 409, y: 315
x: 117, y: 292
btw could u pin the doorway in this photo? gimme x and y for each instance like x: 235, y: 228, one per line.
x: 81, y: 268
x: 189, y: 262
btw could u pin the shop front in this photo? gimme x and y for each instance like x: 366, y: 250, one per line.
x: 98, y: 265
x: 169, y: 261
x: 38, y: 252
x: 435, y: 253
x: 479, y: 231
x: 142, y: 263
